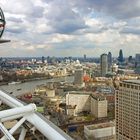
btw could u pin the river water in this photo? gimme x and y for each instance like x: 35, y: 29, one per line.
x: 22, y: 88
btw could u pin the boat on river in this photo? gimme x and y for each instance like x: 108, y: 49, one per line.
x: 13, y: 83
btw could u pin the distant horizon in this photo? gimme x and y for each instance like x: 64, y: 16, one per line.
x: 87, y: 57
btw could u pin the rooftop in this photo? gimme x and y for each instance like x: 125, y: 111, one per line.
x: 98, y: 97
x: 100, y: 125
x: 132, y: 81
x: 79, y: 92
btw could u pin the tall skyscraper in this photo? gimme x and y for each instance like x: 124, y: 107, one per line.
x: 43, y: 59
x: 78, y: 77
x: 137, y: 60
x: 128, y: 110
x: 104, y: 64
x: 109, y: 61
x: 120, y: 58
x: 130, y: 59
x: 85, y: 57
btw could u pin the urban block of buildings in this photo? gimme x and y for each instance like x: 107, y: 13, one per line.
x: 85, y: 101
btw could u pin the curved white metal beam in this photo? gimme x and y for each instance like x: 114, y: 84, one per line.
x: 22, y: 134
x: 15, y: 127
x: 17, y: 111
x: 9, y: 100
x: 47, y: 128
x: 6, y: 132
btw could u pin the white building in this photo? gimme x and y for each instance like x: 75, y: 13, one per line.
x: 98, y: 106
x: 86, y: 101
x: 115, y: 68
x: 102, y: 131
x: 81, y: 100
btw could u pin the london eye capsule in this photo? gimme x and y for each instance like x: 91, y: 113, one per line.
x: 2, y: 22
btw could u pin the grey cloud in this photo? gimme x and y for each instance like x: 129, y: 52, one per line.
x: 63, y: 19
x: 37, y: 12
x: 15, y: 30
x: 68, y: 26
x: 95, y: 30
x: 13, y: 19
x: 131, y: 30
x: 123, y: 9
x: 47, y: 1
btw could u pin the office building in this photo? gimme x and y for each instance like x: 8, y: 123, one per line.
x: 120, y: 58
x: 43, y: 59
x: 128, y: 110
x: 137, y: 60
x: 98, y: 106
x: 85, y: 57
x: 109, y: 61
x: 104, y: 64
x: 78, y: 77
x: 137, y: 63
x: 130, y: 59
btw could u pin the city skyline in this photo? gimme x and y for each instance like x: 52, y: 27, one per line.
x: 57, y: 27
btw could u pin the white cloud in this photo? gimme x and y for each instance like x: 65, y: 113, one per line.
x: 60, y: 27
x: 93, y: 22
x: 58, y: 38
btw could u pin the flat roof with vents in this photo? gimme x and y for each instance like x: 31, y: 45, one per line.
x: 132, y: 81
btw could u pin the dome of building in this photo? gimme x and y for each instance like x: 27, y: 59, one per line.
x: 77, y: 61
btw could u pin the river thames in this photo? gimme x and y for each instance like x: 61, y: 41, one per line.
x: 22, y: 88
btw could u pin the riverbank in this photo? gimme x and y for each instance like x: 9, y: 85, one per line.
x: 34, y: 79
x: 29, y: 86
x: 3, y: 83
x: 43, y: 78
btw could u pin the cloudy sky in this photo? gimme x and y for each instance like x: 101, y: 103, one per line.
x: 71, y: 27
